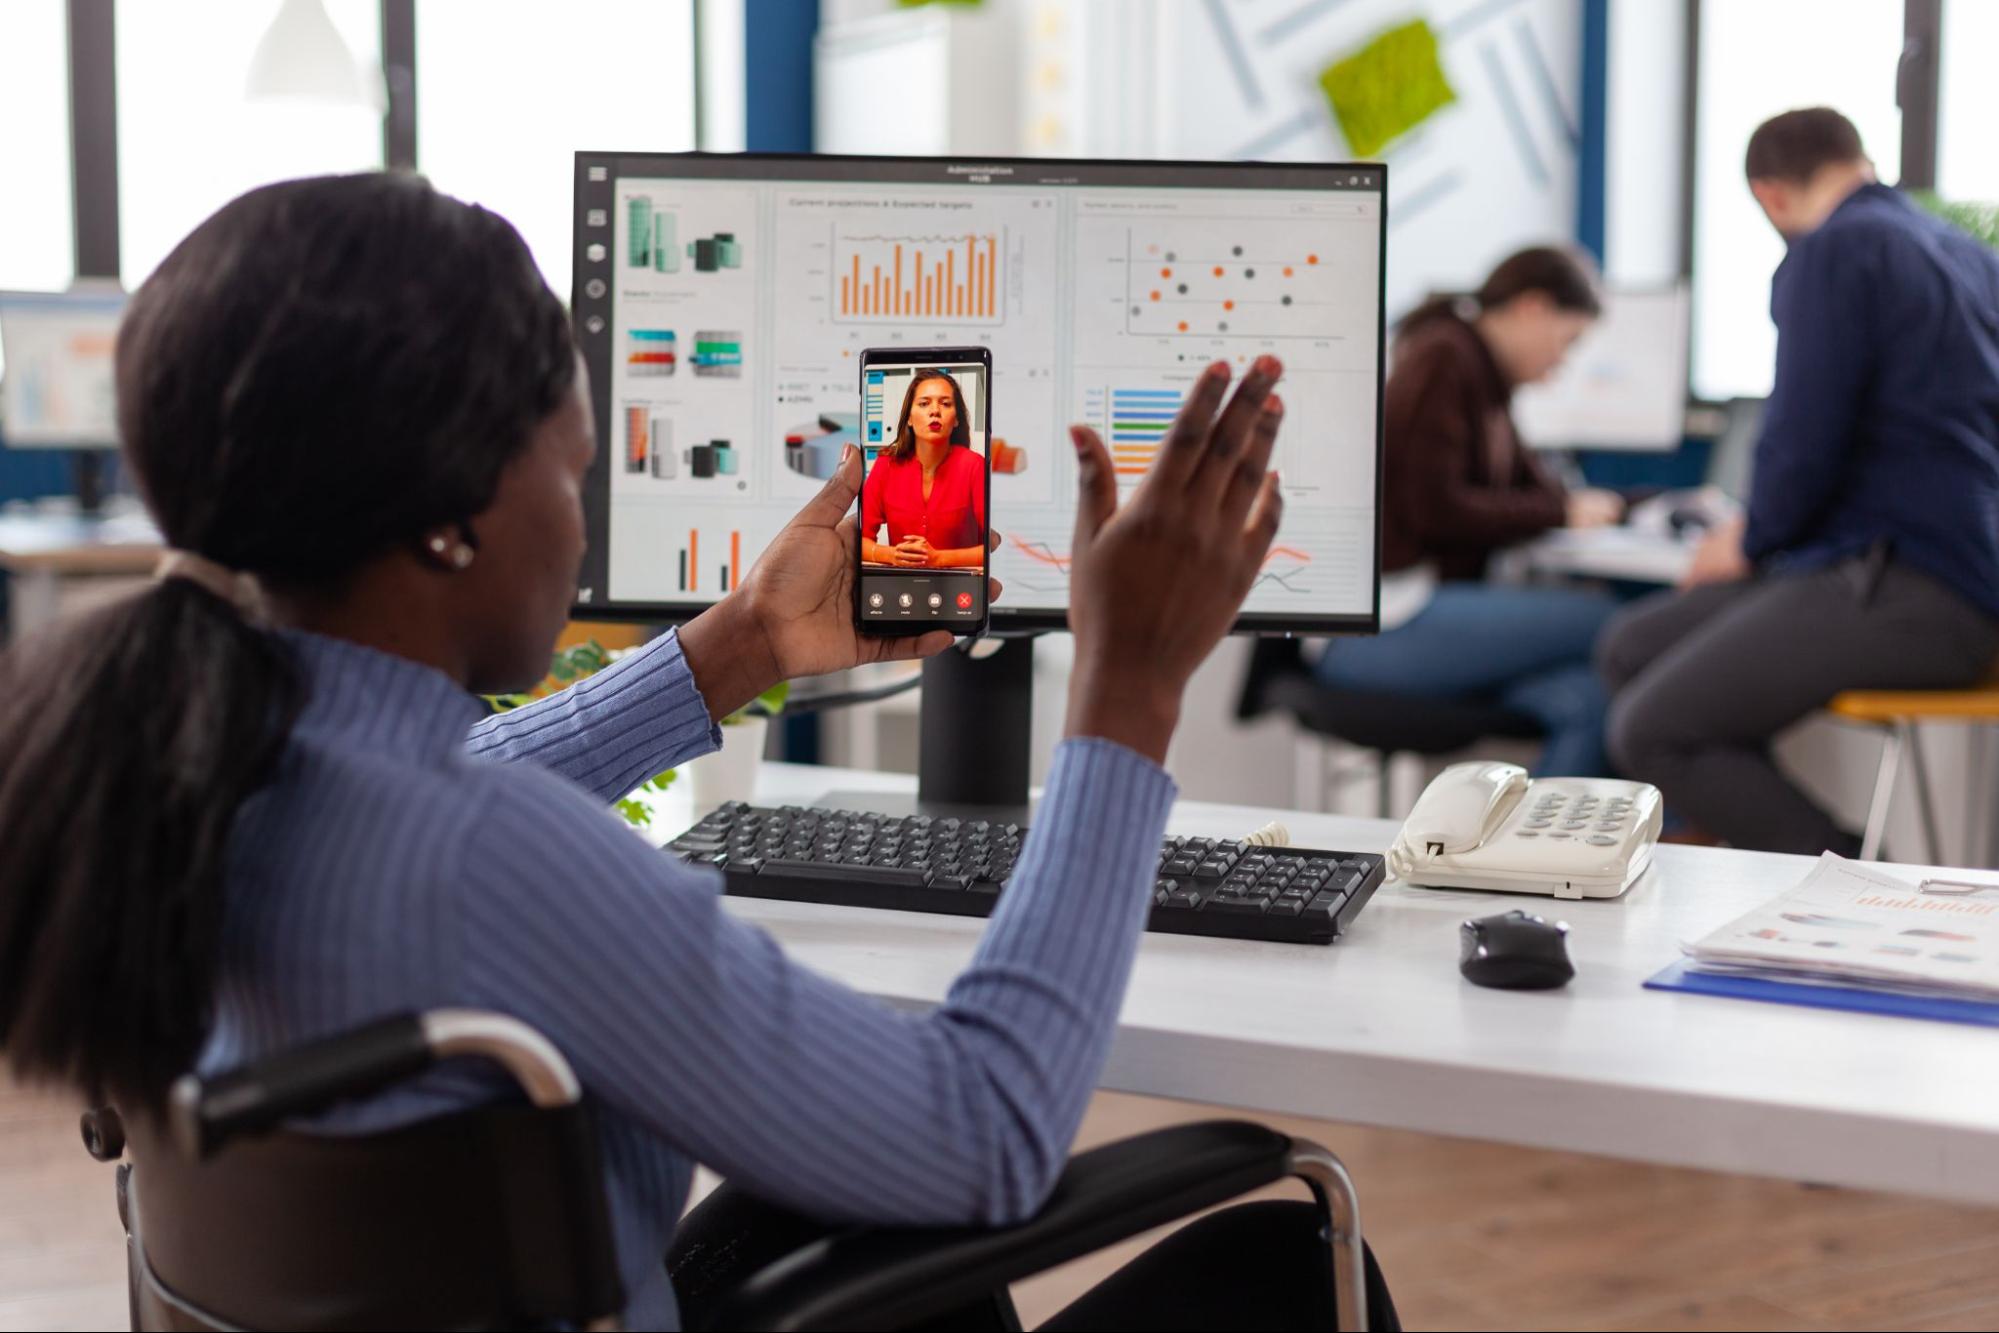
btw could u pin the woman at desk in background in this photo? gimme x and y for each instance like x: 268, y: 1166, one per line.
x: 929, y: 487
x: 1460, y: 485
x: 258, y: 802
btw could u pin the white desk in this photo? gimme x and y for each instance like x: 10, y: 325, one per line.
x: 63, y: 562
x: 1609, y: 553
x: 1379, y: 1029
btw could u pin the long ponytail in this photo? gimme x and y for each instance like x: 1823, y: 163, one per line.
x: 129, y: 739
x: 321, y: 372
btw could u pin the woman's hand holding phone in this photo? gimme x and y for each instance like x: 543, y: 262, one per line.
x: 1156, y: 583
x: 793, y: 615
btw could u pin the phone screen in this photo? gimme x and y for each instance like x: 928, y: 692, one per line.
x: 926, y: 418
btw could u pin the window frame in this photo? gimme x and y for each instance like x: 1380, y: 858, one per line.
x: 93, y: 113
x: 1918, y: 75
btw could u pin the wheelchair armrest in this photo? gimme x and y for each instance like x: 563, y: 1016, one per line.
x: 890, y: 1277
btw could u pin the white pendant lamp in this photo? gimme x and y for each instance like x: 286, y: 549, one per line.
x: 302, y: 58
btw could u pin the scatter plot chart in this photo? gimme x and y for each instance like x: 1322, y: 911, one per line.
x: 1206, y: 284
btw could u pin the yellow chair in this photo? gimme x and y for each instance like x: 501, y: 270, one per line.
x: 1896, y: 714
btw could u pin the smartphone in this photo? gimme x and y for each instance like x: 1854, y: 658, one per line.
x: 921, y: 548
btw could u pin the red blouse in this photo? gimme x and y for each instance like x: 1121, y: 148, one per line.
x: 955, y: 514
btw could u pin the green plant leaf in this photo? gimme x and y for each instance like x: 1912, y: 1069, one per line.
x: 637, y: 813
x: 1981, y: 220
x: 768, y: 704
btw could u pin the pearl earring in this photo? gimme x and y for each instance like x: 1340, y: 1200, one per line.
x: 460, y: 555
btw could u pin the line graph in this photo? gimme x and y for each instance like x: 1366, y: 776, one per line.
x: 1285, y: 568
x: 1038, y: 552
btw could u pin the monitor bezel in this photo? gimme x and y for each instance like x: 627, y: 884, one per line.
x: 595, y: 347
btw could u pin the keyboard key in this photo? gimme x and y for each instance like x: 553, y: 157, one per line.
x: 1253, y: 904
x: 1187, y: 898
x: 1287, y: 907
x: 852, y: 874
x: 1211, y: 870
x: 1180, y: 865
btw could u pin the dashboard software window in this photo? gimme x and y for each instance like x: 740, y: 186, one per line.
x: 725, y: 302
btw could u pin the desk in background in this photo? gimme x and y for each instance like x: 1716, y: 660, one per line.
x: 1617, y: 553
x: 1380, y: 1029
x: 64, y: 562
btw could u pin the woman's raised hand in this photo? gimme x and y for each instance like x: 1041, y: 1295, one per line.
x: 1154, y: 584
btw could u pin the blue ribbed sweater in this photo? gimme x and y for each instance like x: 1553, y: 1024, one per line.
x: 410, y: 855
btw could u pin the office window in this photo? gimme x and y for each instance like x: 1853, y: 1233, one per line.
x: 1968, y: 102
x: 36, y: 248
x: 1755, y: 61
x: 190, y: 140
x: 509, y: 90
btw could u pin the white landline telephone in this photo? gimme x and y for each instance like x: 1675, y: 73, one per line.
x: 1485, y: 826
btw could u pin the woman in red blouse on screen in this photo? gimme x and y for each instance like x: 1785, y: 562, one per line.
x: 929, y: 487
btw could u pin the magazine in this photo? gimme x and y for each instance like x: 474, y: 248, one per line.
x: 1849, y: 924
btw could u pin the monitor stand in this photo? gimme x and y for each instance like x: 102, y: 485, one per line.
x: 88, y: 472
x: 974, y: 740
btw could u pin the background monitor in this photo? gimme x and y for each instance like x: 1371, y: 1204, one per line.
x: 722, y: 303
x: 1734, y: 457
x: 1624, y: 385
x: 56, y: 383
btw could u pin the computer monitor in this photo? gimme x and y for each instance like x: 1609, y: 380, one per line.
x: 56, y: 383
x: 1734, y: 457
x: 722, y: 303
x: 1624, y: 385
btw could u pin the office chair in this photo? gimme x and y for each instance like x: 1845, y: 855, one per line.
x: 496, y: 1218
x: 1388, y: 724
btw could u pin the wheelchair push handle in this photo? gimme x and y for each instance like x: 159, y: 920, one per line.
x: 206, y: 1113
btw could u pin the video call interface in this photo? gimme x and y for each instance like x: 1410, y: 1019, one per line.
x: 923, y: 497
x: 724, y: 304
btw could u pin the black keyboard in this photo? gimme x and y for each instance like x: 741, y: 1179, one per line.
x: 959, y: 867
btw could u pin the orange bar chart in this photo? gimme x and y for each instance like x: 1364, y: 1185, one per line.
x: 726, y: 576
x: 919, y: 277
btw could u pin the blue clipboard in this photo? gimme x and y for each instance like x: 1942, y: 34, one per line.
x: 1681, y: 977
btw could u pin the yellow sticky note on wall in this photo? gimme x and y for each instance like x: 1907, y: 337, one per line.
x: 1388, y: 87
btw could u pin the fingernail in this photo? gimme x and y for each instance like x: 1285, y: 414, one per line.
x: 849, y: 454
x: 1219, y: 368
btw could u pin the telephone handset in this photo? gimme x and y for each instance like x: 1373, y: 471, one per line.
x: 1486, y: 826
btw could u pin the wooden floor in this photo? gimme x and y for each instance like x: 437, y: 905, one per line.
x: 1470, y: 1236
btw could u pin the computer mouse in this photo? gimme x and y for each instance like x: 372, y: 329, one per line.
x: 1515, y: 951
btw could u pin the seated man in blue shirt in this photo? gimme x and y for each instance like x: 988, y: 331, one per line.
x: 1869, y: 557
